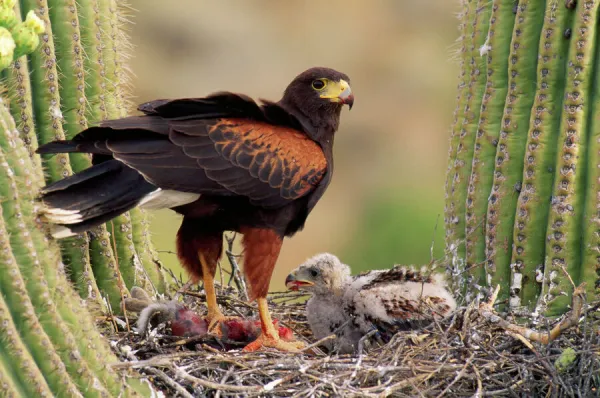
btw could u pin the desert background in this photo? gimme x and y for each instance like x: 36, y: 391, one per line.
x: 390, y: 152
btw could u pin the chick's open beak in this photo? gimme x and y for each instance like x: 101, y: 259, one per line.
x: 295, y: 284
x: 339, y: 92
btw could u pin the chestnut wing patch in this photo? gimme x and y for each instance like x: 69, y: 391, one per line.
x: 271, y: 165
x: 281, y: 157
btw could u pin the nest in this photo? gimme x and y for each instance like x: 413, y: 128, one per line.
x: 473, y: 353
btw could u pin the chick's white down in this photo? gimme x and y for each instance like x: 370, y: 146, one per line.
x: 350, y: 306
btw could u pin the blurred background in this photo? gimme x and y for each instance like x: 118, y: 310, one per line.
x: 390, y: 151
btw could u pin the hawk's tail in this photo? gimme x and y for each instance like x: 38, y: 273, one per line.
x: 93, y: 197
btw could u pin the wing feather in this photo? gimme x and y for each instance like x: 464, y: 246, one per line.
x: 223, y: 144
x: 397, y: 299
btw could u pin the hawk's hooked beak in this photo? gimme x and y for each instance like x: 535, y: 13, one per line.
x: 339, y: 92
x: 295, y: 284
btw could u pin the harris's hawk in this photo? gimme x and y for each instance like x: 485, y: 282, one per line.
x: 387, y: 301
x: 225, y: 163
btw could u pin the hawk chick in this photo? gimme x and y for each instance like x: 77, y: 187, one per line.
x: 400, y: 298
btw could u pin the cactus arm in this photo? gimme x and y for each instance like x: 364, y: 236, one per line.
x: 36, y: 281
x: 90, y: 344
x: 565, y: 224
x: 41, y: 313
x: 533, y: 205
x: 508, y: 169
x: 81, y: 349
x: 590, y: 266
x: 501, y: 23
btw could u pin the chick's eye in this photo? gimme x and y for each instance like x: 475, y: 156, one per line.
x: 318, y: 84
x: 314, y: 272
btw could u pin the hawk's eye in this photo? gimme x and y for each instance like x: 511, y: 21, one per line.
x: 318, y: 84
x: 314, y: 272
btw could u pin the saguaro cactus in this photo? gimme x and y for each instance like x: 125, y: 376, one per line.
x: 49, y: 344
x: 523, y: 188
x: 77, y: 77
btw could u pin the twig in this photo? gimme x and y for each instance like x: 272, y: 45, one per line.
x: 318, y: 343
x: 170, y: 382
x: 479, y: 383
x: 486, y: 310
x: 182, y: 374
x: 158, y: 360
x: 235, y: 269
x: 503, y: 391
x: 458, y: 376
x: 431, y: 259
x: 361, y: 347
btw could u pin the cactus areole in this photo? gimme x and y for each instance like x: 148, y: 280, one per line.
x: 523, y: 183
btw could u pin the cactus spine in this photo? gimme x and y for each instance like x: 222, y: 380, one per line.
x: 530, y: 212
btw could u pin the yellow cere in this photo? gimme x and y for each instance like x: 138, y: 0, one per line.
x: 333, y: 90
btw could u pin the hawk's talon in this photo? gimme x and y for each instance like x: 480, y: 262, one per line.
x: 264, y: 341
x: 215, y: 321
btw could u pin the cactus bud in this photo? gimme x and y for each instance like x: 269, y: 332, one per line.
x: 7, y: 48
x: 8, y: 17
x: 26, y: 34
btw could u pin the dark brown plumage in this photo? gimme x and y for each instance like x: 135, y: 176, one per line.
x: 223, y: 162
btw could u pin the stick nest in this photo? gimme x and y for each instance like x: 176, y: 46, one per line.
x: 468, y: 354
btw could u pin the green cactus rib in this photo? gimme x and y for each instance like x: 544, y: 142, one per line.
x: 18, y: 86
x: 501, y: 24
x: 131, y: 268
x: 455, y: 247
x: 508, y: 169
x: 464, y: 152
x: 566, y: 224
x: 19, y: 374
x: 72, y: 82
x: 48, y: 117
x: 91, y: 347
x: 590, y: 266
x: 129, y: 263
x: 71, y: 79
x: 32, y: 334
x: 105, y: 268
x: 9, y: 384
x: 143, y: 244
x: 16, y: 80
x: 102, y: 100
x: 533, y: 205
x: 95, y: 71
x: 39, y: 271
x: 44, y: 87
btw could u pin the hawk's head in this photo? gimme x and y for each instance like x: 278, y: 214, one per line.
x: 321, y: 274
